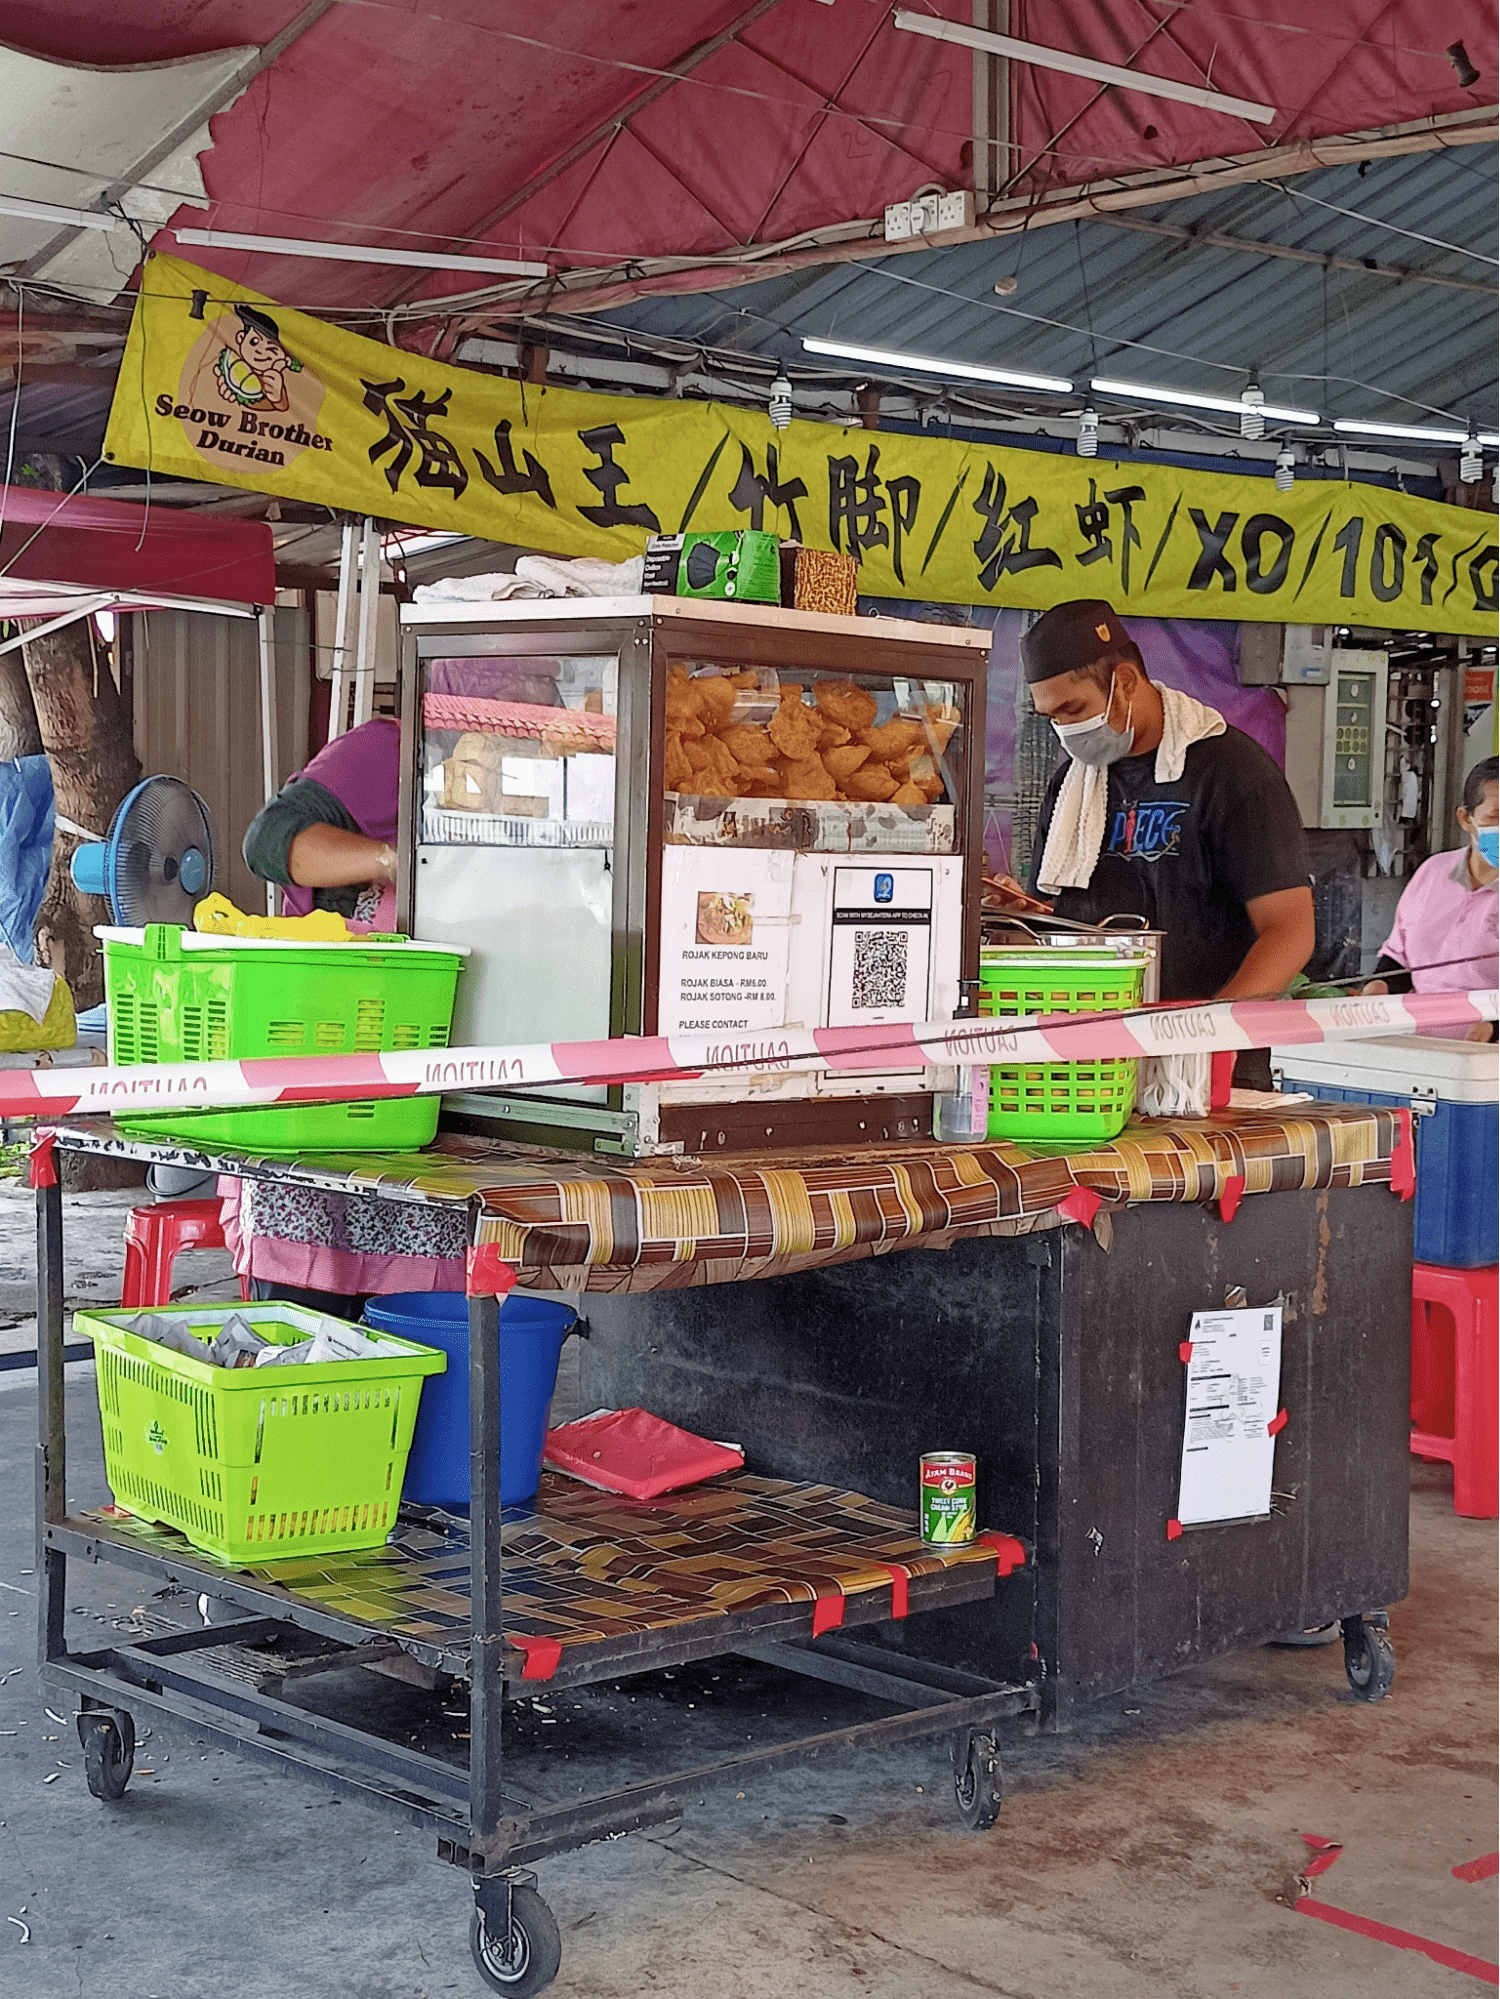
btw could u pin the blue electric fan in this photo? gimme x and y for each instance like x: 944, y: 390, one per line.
x: 158, y: 860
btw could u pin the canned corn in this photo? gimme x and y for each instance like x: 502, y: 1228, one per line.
x: 946, y: 1498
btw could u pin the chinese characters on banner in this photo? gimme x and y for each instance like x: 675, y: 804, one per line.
x: 253, y: 395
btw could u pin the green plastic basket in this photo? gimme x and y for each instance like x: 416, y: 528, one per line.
x: 174, y: 995
x: 1060, y: 1103
x: 256, y: 1464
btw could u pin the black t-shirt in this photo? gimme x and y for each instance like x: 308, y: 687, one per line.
x: 1189, y: 856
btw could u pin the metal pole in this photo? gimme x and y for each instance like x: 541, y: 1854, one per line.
x: 369, y: 607
x: 486, y: 1586
x: 51, y: 1448
x: 343, y: 630
x: 268, y: 720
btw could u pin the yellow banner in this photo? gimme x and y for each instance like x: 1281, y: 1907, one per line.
x: 219, y: 383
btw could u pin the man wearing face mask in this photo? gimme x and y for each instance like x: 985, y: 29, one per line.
x: 1163, y: 811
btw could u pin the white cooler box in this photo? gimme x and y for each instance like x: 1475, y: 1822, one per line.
x: 1453, y: 1089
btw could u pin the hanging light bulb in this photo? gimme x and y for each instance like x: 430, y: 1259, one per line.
x: 1252, y: 410
x: 1471, y: 460
x: 779, y: 407
x: 1286, y: 468
x: 1088, y: 433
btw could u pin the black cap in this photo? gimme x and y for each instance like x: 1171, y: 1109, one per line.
x: 1072, y: 636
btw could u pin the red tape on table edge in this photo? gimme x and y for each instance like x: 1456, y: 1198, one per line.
x: 1440, y: 1953
x: 1184, y: 1351
x: 1478, y: 1870
x: 1010, y: 1554
x: 1277, y: 1424
x: 828, y: 1614
x: 543, y: 1655
x: 486, y: 1273
x: 1080, y: 1206
x: 900, y: 1594
x: 42, y: 1167
x: 1230, y: 1198
x: 1174, y: 1529
x: 1403, y: 1158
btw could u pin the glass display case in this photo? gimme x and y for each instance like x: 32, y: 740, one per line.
x: 655, y: 816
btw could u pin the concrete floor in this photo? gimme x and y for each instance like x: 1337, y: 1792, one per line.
x: 1147, y: 1855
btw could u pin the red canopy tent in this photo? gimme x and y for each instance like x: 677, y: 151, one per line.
x: 59, y: 548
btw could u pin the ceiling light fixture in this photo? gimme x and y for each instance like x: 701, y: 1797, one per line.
x: 779, y: 407
x: 1416, y: 432
x: 1233, y: 405
x: 1470, y: 461
x: 48, y: 211
x: 1071, y: 65
x: 881, y: 357
x: 1088, y: 433
x: 1286, y: 469
x: 358, y: 253
x: 1253, y: 410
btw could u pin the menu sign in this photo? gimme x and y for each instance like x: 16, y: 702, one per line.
x: 725, y: 939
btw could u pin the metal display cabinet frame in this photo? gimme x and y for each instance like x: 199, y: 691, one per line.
x: 479, y: 1821
x: 648, y: 635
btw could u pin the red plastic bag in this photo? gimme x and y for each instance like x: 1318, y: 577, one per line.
x: 634, y: 1452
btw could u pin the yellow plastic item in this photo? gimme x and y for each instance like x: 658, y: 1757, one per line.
x: 21, y: 1035
x: 217, y: 916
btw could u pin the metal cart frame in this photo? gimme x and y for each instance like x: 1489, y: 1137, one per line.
x: 479, y: 1825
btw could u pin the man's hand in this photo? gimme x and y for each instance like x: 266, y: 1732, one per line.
x: 1285, y: 937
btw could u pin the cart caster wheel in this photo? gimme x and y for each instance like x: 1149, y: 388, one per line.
x: 526, y: 1959
x: 978, y: 1787
x: 1369, y: 1659
x: 108, y: 1752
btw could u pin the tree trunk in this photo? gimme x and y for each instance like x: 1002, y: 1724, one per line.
x: 87, y: 736
x: 19, y: 734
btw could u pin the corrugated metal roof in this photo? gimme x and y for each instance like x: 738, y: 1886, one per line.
x: 1350, y: 343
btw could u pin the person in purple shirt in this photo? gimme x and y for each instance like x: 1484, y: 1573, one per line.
x: 328, y: 837
x: 1447, y: 930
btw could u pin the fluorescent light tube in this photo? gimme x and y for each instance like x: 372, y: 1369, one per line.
x: 1148, y: 392
x: 882, y: 357
x: 48, y: 211
x: 358, y: 253
x: 1071, y: 65
x: 1415, y: 432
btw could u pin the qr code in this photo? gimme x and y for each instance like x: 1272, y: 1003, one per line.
x: 879, y: 968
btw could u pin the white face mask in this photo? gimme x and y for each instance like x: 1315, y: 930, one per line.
x: 1095, y: 741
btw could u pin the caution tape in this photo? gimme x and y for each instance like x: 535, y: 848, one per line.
x: 314, y: 1079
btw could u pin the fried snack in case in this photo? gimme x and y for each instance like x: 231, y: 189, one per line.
x: 843, y: 762
x: 809, y: 780
x: 794, y: 728
x: 894, y: 740
x: 872, y: 782
x: 851, y: 707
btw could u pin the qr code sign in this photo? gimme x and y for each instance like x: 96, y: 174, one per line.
x: 879, y: 968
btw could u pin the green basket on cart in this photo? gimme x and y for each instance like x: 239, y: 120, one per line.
x: 1060, y: 1103
x: 176, y: 995
x: 256, y: 1464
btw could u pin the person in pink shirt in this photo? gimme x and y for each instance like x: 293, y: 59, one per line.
x: 1447, y: 930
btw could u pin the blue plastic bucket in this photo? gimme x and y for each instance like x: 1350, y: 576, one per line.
x: 531, y: 1343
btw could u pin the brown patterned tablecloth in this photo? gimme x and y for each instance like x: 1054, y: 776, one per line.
x: 592, y: 1570
x: 571, y: 1222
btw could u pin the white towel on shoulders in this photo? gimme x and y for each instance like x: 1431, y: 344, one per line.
x: 1076, y: 833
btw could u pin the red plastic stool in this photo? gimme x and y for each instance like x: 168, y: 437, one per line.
x: 154, y: 1237
x: 1455, y: 1381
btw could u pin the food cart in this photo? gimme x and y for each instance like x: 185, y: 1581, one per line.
x: 1003, y: 1323
x: 743, y: 822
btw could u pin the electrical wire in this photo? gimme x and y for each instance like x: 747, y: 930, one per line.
x: 15, y: 404
x: 1374, y: 222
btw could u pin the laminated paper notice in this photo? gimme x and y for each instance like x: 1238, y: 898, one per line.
x: 1233, y: 1390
